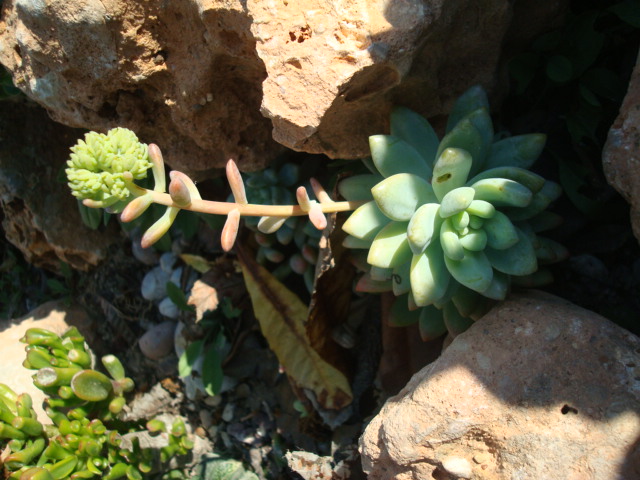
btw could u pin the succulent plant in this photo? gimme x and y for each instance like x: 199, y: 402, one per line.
x: 84, y: 440
x: 97, y: 164
x: 449, y: 224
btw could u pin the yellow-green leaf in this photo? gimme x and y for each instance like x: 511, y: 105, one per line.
x: 282, y: 316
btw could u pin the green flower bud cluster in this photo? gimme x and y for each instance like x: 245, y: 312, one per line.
x: 273, y: 186
x: 84, y: 440
x: 448, y: 225
x: 97, y: 164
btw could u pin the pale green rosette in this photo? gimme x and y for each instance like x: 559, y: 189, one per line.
x: 449, y: 225
x: 97, y: 164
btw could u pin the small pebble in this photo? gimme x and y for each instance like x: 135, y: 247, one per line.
x: 227, y: 413
x: 481, y: 457
x: 213, y: 401
x: 158, y: 341
x: 206, y: 418
x: 458, y: 467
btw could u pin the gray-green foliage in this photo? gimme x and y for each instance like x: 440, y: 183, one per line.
x: 450, y: 223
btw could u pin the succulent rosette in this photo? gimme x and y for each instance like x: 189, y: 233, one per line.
x: 448, y: 225
x: 97, y: 165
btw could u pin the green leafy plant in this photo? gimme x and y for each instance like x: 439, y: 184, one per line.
x: 84, y: 404
x: 449, y: 224
x: 206, y: 355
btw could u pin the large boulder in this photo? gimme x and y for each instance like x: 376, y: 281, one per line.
x: 197, y: 76
x: 621, y: 155
x: 538, y: 388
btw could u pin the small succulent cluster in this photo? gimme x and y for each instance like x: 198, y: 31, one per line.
x: 272, y: 186
x: 448, y: 225
x: 84, y: 404
x: 98, y: 185
x: 97, y: 165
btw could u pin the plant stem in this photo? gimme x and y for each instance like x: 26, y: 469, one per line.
x: 223, y: 208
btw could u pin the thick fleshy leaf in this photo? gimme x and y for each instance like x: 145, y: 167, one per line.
x: 473, y: 271
x: 466, y: 136
x: 354, y: 243
x: 455, y: 323
x: 482, y: 121
x: 424, y: 224
x: 416, y: 131
x: 519, y: 259
x: 429, y: 275
x: 467, y: 301
x: 91, y: 385
x: 539, y: 202
x: 470, y: 101
x: 390, y: 247
x: 400, y: 195
x: 502, y: 192
x: 500, y: 231
x: 401, y: 280
x: 550, y: 251
x: 431, y: 323
x: 392, y: 155
x: 519, y: 151
x: 499, y: 286
x: 450, y: 241
x: 475, y: 240
x: 456, y: 201
x: 400, y: 315
x: 358, y: 187
x: 450, y: 171
x: 532, y: 181
x: 366, y: 221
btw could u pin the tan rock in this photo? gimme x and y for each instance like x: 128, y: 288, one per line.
x: 538, y: 388
x: 621, y: 155
x: 54, y: 316
x: 196, y: 76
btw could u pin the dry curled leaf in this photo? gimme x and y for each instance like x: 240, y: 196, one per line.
x: 203, y: 297
x: 282, y: 317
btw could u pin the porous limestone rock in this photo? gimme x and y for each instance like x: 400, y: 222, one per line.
x: 621, y: 155
x: 39, y: 215
x: 538, y: 388
x: 197, y: 76
x: 54, y: 316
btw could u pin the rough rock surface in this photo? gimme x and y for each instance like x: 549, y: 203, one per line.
x: 54, y: 316
x: 41, y: 217
x: 538, y: 388
x: 621, y: 155
x: 196, y: 76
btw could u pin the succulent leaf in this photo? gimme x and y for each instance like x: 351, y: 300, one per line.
x: 366, y: 221
x: 519, y: 259
x: 399, y: 196
x: 416, y: 131
x: 470, y: 101
x: 390, y: 247
x: 456, y: 201
x: 450, y: 171
x: 467, y: 137
x: 502, y: 192
x: 532, y: 181
x: 424, y: 224
x: 519, y: 151
x: 501, y: 233
x: 358, y: 187
x: 431, y: 323
x: 392, y: 155
x: 429, y: 275
x: 400, y: 315
x: 450, y: 241
x: 455, y: 323
x: 473, y: 271
x: 401, y: 279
